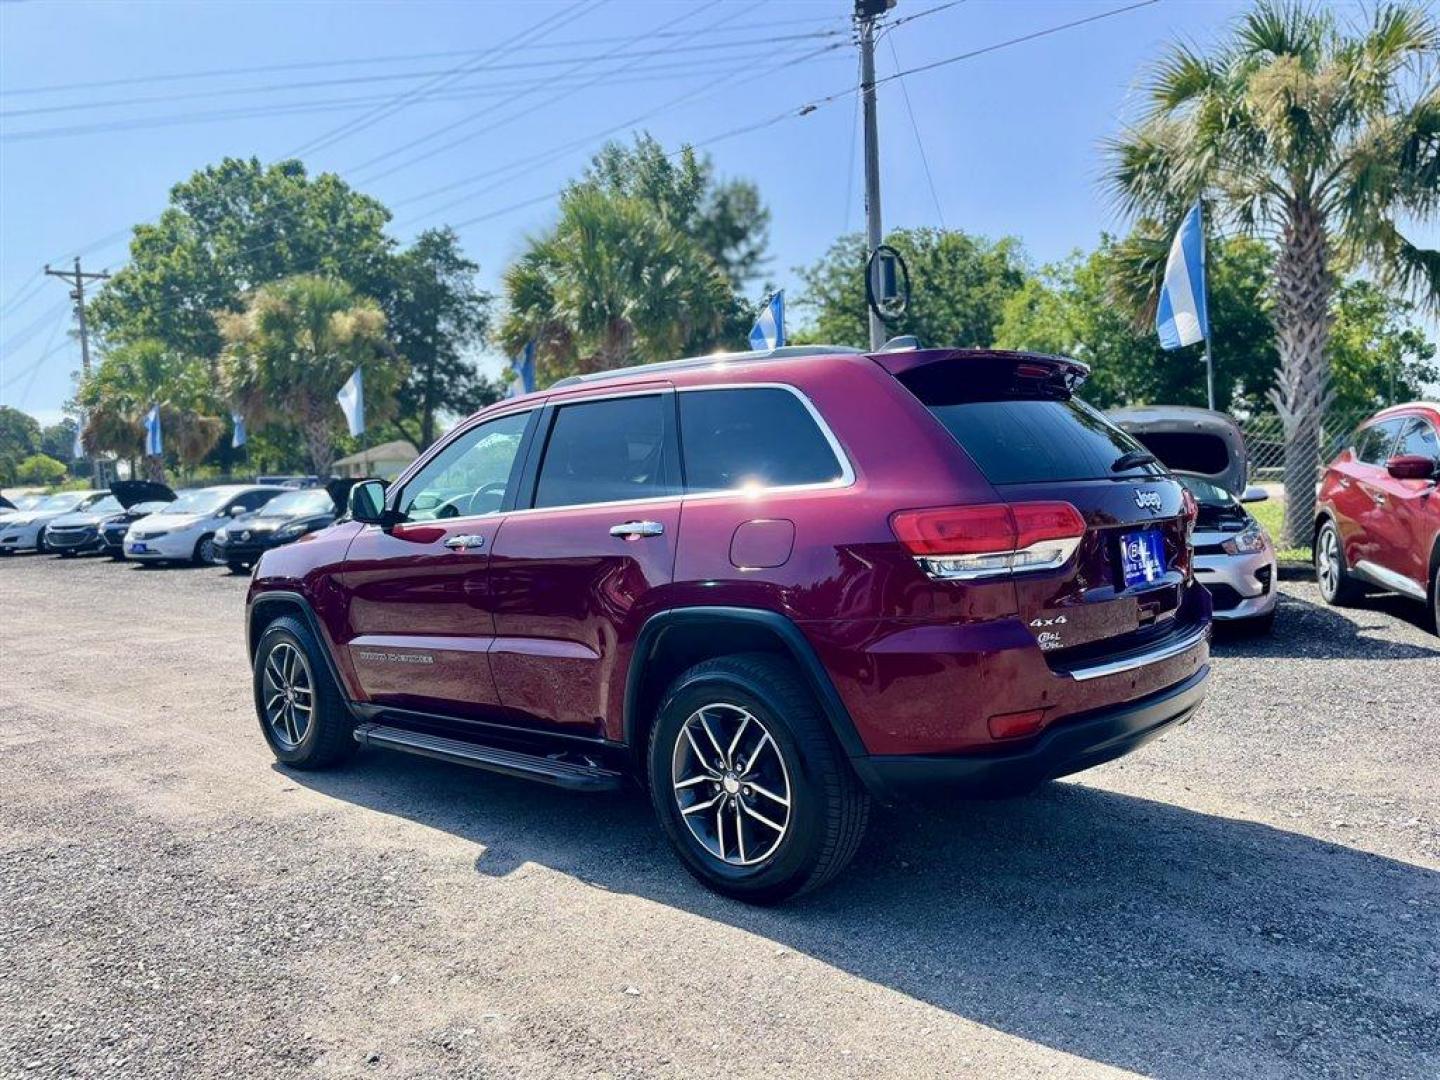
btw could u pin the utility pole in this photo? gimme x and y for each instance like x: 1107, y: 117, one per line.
x: 866, y: 14
x: 76, y: 279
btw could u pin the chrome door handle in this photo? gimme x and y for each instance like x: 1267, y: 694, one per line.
x: 637, y: 528
x: 464, y: 542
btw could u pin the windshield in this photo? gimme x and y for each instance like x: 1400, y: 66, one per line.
x: 1206, y: 493
x: 66, y: 500
x: 149, y: 507
x: 28, y: 502
x: 316, y: 501
x: 107, y: 505
x: 200, y: 501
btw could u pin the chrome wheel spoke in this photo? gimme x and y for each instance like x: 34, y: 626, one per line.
x: 781, y: 799
x: 695, y: 808
x: 711, y: 736
x: 681, y: 785
x: 699, y: 755
x: 760, y: 817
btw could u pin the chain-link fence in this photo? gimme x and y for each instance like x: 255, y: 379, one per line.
x: 1265, y: 442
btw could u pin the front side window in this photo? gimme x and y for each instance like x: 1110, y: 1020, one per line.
x: 1418, y: 437
x: 606, y: 451
x: 1372, y: 444
x: 470, y: 476
x: 752, y: 437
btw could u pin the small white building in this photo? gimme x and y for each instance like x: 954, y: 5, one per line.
x: 385, y: 461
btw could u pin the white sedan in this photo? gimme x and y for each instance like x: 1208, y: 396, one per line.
x: 185, y: 530
x: 25, y: 529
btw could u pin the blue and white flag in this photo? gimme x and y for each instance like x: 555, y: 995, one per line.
x: 769, y: 331
x: 1181, y: 318
x: 154, y: 444
x: 237, y: 440
x: 352, y: 402
x: 78, y: 450
x: 522, y: 372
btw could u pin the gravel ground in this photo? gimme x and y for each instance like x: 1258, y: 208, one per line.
x: 1257, y: 894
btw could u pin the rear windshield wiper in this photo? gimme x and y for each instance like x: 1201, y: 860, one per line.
x: 1132, y: 459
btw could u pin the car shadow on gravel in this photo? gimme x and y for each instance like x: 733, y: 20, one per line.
x: 1313, y: 631
x: 1123, y: 930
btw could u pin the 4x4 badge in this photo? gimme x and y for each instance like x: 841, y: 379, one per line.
x: 1147, y: 500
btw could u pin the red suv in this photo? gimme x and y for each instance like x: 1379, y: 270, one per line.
x: 768, y: 587
x: 1378, y: 518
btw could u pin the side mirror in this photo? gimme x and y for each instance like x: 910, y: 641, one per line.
x: 1254, y: 493
x: 236, y: 510
x: 1411, y: 467
x: 367, y: 503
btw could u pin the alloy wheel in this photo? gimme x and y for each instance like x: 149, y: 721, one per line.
x: 731, y: 784
x: 289, y: 695
x: 1327, y: 563
x: 207, y: 551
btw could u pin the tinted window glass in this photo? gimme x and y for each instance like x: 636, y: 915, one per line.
x: 756, y: 437
x: 1022, y: 442
x: 605, y: 451
x: 1372, y: 444
x: 1418, y: 437
x: 469, y: 476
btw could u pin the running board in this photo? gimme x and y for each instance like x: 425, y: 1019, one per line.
x: 548, y: 770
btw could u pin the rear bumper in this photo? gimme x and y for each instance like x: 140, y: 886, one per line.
x: 1080, y: 742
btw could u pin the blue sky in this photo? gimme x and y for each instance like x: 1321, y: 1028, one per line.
x: 1011, y: 137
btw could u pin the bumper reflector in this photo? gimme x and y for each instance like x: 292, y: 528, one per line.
x: 1015, y: 725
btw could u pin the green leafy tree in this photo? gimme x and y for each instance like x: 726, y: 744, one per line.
x: 614, y: 282
x: 292, y: 348
x: 132, y: 378
x: 437, y: 316
x: 728, y: 219
x: 228, y: 229
x: 1318, y: 138
x: 1071, y: 309
x: 19, y: 438
x: 1379, y: 353
x: 58, y: 440
x: 40, y: 469
x: 959, y: 286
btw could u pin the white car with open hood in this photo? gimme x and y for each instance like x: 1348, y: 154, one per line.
x: 185, y: 530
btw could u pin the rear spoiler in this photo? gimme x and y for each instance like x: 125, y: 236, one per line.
x: 1030, y: 374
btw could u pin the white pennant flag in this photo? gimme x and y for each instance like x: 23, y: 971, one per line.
x: 352, y: 402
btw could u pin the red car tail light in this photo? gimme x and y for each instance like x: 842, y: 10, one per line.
x: 962, y: 543
x: 1015, y: 725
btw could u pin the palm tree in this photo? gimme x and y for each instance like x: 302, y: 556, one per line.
x: 1320, y: 138
x: 132, y: 378
x: 292, y: 348
x: 614, y: 283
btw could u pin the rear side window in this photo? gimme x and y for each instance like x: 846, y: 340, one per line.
x: 1418, y: 437
x: 1019, y: 431
x: 752, y: 437
x: 1372, y: 444
x: 606, y: 451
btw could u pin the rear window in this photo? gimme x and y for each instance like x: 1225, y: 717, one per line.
x: 1023, y: 434
x: 756, y: 437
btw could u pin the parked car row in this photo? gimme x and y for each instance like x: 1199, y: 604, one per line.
x: 147, y: 522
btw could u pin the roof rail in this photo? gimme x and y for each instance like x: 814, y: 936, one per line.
x: 784, y: 352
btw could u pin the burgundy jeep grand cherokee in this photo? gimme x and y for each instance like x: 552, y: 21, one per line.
x: 767, y: 586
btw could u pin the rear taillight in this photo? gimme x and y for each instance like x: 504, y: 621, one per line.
x: 961, y: 543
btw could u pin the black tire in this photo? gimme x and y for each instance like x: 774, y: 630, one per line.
x: 204, y: 553
x: 329, y: 734
x: 827, y: 806
x: 238, y: 567
x: 1337, y: 586
x: 1435, y: 600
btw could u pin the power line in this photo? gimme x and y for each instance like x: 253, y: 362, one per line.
x: 745, y: 45
x: 654, y: 73
x: 416, y: 159
x: 374, y: 116
x: 919, y: 142
x: 305, y: 65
